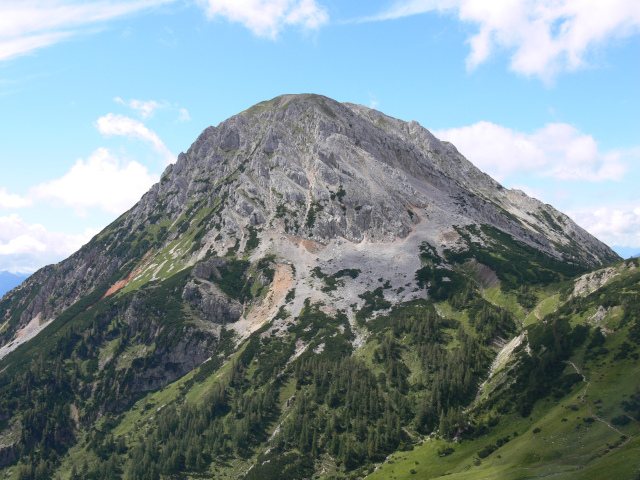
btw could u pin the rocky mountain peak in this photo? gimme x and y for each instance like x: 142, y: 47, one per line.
x: 329, y: 170
x: 348, y: 185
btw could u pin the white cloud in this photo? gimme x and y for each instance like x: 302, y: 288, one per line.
x: 557, y: 150
x: 544, y: 37
x: 611, y: 225
x: 25, y: 247
x: 184, y: 115
x: 8, y: 200
x: 112, y: 124
x: 101, y: 181
x: 26, y: 25
x: 14, y: 47
x: 266, y: 18
x: 146, y: 109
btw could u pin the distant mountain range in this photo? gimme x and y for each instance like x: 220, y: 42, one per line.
x: 9, y: 281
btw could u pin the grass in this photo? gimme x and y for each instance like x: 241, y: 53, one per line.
x: 558, y: 446
x: 566, y: 447
x: 164, y: 263
x: 132, y: 352
x: 107, y: 351
x: 507, y: 301
x: 544, y: 307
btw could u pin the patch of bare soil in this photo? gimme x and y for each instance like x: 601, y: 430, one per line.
x: 33, y: 324
x: 74, y: 415
x: 120, y: 284
x: 282, y: 283
x: 449, y: 236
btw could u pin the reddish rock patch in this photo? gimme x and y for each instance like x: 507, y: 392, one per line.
x: 121, y: 283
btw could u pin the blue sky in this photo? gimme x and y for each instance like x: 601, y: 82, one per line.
x: 96, y: 98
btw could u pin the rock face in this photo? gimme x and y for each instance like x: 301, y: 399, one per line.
x: 302, y: 180
x: 326, y: 170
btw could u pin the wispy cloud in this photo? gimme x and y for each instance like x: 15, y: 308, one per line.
x: 145, y: 109
x: 545, y: 37
x: 184, y: 115
x: 14, y: 47
x: 27, y: 25
x: 119, y: 125
x: 267, y: 18
x: 557, y: 150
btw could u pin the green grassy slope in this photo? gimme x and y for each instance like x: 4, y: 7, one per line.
x: 590, y: 432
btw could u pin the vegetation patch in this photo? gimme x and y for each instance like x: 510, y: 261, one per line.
x: 514, y: 262
x: 314, y: 209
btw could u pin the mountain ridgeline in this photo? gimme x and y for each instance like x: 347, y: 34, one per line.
x: 310, y: 288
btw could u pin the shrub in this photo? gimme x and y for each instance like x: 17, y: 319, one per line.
x: 445, y: 451
x: 486, y: 451
x: 621, y: 420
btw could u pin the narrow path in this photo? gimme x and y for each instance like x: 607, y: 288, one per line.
x: 584, y: 394
x: 582, y: 399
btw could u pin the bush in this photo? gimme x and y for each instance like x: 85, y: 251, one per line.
x: 501, y: 441
x: 621, y: 420
x: 486, y: 451
x: 445, y: 451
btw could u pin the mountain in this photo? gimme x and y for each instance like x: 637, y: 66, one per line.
x: 304, y: 169
x: 311, y: 287
x: 8, y: 281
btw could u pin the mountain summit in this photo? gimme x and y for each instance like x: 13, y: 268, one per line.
x: 346, y: 171
x: 301, y: 230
